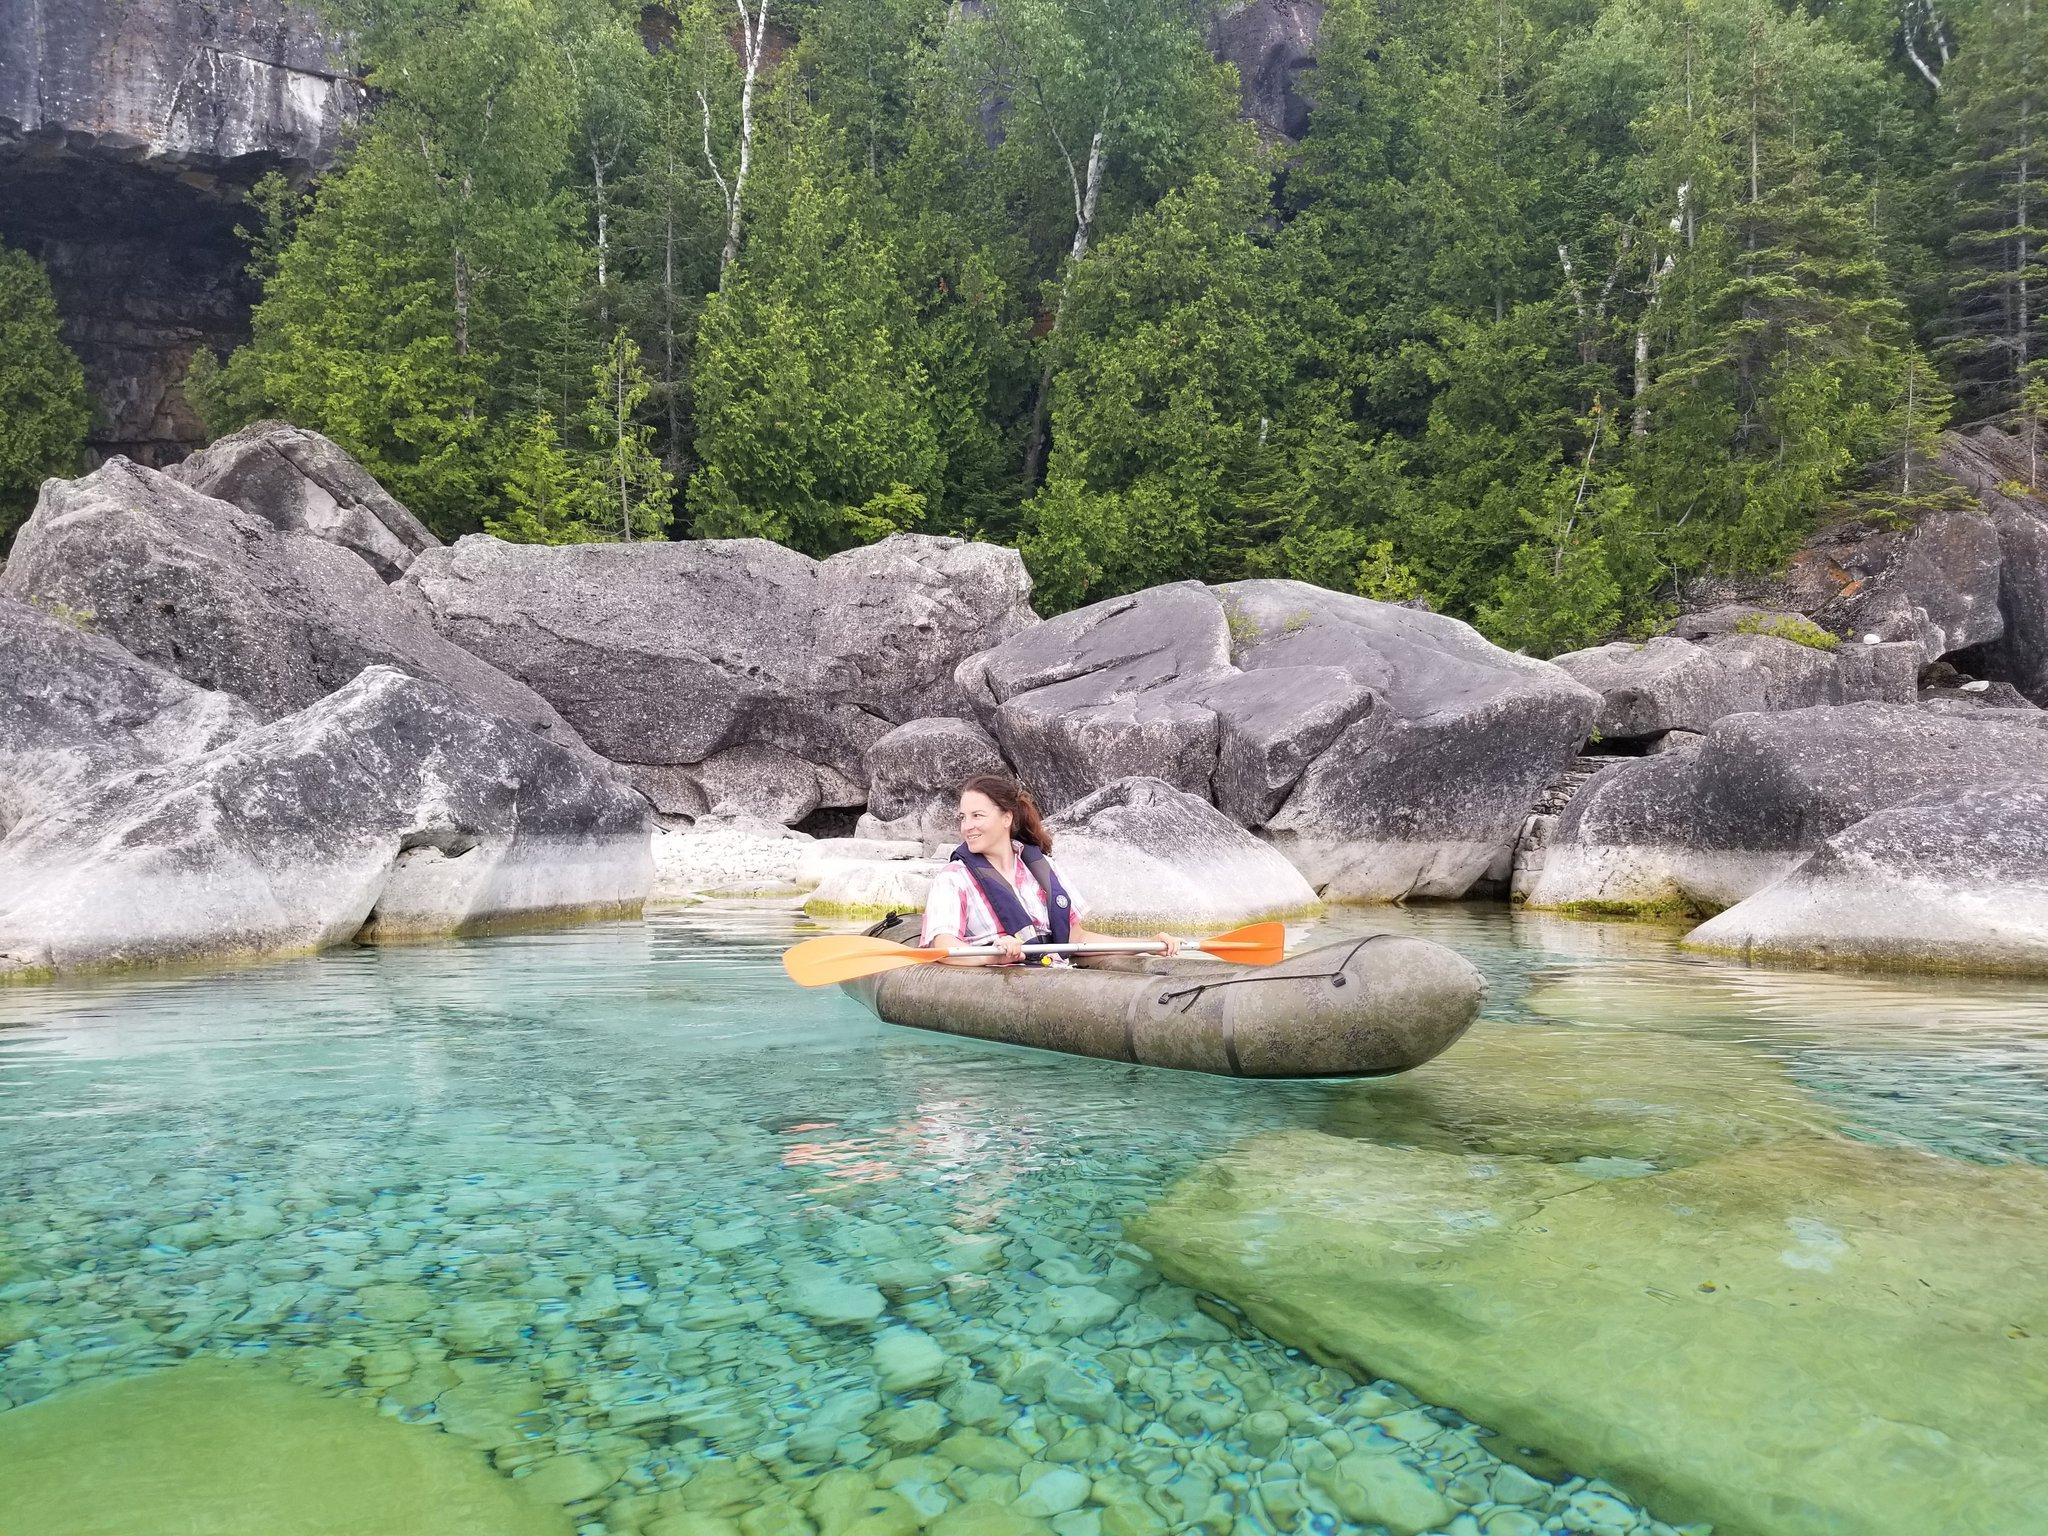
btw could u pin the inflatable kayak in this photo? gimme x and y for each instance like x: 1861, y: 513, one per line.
x: 1363, y: 1007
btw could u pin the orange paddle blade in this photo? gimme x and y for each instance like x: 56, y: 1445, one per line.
x: 848, y: 957
x: 1258, y: 944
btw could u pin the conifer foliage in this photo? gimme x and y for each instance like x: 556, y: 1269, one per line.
x: 1556, y: 303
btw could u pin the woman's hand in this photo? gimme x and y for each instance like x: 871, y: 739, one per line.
x: 1009, y: 948
x: 1172, y: 944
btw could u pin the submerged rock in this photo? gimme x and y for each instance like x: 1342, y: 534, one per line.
x: 227, y: 601
x: 1387, y: 752
x: 1558, y: 1309
x: 1954, y: 880
x: 1706, y: 828
x: 667, y: 655
x: 301, y: 482
x: 213, y: 1448
x: 1146, y: 856
x: 392, y: 807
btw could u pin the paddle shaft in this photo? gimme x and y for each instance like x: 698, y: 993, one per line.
x: 1103, y: 947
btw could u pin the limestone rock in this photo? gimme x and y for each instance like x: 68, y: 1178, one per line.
x: 1936, y: 582
x: 1800, y: 1269
x: 671, y: 654
x: 1422, y: 792
x: 1954, y: 880
x: 872, y: 888
x: 75, y: 707
x: 212, y: 1447
x: 731, y: 854
x: 1996, y: 466
x: 1272, y: 43
x: 1727, y: 619
x: 915, y: 773
x: 300, y: 482
x: 1388, y: 752
x: 1666, y: 685
x: 128, y: 131
x: 227, y: 601
x: 391, y: 806
x: 1707, y: 828
x: 1104, y: 692
x: 761, y: 779
x: 1146, y: 856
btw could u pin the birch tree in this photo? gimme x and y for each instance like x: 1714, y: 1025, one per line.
x: 1092, y: 83
x: 731, y: 167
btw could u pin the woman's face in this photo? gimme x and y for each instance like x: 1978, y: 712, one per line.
x: 982, y: 825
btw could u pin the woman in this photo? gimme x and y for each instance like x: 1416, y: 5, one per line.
x: 1001, y: 888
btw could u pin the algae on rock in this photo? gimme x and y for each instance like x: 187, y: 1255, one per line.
x: 1751, y: 1340
x: 213, y: 1448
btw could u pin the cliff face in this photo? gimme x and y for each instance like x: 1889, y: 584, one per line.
x: 128, y: 130
x: 1271, y: 42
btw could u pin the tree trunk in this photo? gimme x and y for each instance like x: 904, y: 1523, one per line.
x: 1085, y: 196
x: 604, y: 302
x: 754, y: 39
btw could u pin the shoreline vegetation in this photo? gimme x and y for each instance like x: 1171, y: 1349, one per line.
x: 1544, y: 313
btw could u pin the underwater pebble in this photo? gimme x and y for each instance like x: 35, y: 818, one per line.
x: 907, y: 1357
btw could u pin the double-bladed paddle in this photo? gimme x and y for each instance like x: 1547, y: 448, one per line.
x: 849, y: 956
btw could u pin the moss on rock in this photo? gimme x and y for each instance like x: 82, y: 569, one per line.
x: 1797, y: 1337
x: 213, y: 1448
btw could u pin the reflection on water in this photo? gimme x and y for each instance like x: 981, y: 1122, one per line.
x: 675, y: 1243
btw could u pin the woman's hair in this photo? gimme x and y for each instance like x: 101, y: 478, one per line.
x: 1013, y: 797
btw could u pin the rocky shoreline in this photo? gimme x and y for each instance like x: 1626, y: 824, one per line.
x: 257, y: 708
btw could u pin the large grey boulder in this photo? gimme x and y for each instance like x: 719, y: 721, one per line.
x: 227, y: 601
x: 915, y: 773
x: 1388, y: 752
x: 392, y: 808
x: 668, y: 655
x: 1671, y: 684
x: 1935, y: 582
x: 1146, y: 856
x: 754, y: 777
x: 300, y: 482
x: 1667, y: 684
x: 1704, y: 829
x: 1104, y: 692
x: 1996, y: 467
x: 1953, y: 880
x: 75, y: 707
x: 1426, y: 786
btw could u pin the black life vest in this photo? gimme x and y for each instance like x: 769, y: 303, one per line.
x: 1002, y: 896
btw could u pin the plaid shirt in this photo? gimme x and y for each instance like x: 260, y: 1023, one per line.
x: 957, y: 908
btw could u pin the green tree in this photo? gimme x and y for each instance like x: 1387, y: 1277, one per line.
x: 1998, y: 324
x: 44, y: 412
x: 639, y: 493
x: 810, y: 399
x: 552, y: 495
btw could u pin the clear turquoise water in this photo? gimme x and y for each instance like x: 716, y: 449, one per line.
x: 624, y: 1196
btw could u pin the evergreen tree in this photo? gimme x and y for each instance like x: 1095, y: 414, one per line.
x: 639, y: 493
x: 44, y: 414
x: 552, y: 495
x: 810, y: 400
x: 1997, y: 339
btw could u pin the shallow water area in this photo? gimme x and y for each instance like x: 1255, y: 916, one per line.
x: 680, y: 1248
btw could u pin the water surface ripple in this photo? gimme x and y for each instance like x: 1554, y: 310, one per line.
x: 677, y: 1245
